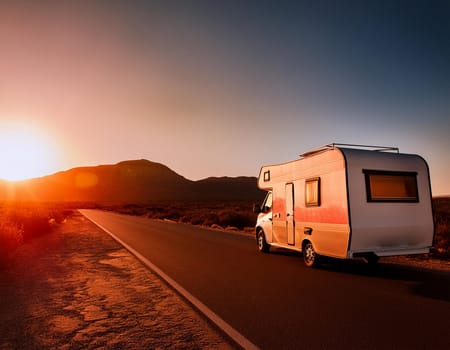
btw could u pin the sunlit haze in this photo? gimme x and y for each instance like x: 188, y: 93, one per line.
x: 213, y: 88
x: 25, y: 152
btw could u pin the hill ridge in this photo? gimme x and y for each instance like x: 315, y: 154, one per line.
x: 136, y: 181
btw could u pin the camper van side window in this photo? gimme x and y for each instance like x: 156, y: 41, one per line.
x: 391, y: 186
x: 312, y: 192
x: 267, y: 205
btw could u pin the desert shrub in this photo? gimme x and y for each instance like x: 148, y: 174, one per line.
x: 441, y: 211
x: 59, y: 216
x: 209, y: 218
x: 33, y: 222
x: 131, y: 209
x: 153, y: 212
x: 185, y: 219
x: 11, y: 237
x: 442, y: 241
x: 20, y: 223
x: 234, y: 218
x: 194, y: 220
x: 225, y: 214
x: 23, y: 222
x: 172, y: 214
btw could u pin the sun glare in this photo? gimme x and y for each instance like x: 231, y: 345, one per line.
x: 25, y: 153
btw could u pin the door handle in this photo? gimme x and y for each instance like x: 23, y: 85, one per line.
x: 307, y: 230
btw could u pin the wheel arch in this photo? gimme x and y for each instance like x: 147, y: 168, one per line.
x: 258, y: 229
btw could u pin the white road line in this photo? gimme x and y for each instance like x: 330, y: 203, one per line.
x: 211, y: 315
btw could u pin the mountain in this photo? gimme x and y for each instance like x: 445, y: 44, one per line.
x: 136, y: 181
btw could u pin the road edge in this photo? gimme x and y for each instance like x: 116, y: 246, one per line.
x: 225, y: 327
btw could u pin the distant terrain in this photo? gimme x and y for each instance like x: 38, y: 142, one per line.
x: 133, y: 181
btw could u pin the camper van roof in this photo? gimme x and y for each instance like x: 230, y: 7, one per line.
x: 348, y: 145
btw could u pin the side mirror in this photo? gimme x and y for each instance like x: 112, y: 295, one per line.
x: 256, y: 208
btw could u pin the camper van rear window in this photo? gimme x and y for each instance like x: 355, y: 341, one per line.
x: 312, y: 192
x: 391, y: 186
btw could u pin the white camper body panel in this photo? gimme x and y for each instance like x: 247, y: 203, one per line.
x: 344, y: 222
x: 388, y: 228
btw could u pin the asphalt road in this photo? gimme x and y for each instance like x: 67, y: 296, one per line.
x: 277, y: 303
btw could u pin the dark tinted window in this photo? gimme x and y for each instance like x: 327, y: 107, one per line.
x: 391, y: 186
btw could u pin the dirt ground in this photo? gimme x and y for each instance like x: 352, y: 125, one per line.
x: 77, y: 288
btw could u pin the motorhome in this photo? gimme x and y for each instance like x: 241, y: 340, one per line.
x: 347, y: 201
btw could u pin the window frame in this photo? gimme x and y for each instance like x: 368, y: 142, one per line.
x: 370, y: 197
x: 316, y: 203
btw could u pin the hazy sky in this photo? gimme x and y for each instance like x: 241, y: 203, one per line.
x: 214, y: 88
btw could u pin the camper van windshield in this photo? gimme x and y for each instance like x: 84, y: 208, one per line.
x: 391, y: 186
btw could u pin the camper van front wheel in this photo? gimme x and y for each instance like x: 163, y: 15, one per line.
x: 262, y: 244
x: 309, y: 255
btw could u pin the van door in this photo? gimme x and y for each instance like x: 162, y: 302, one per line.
x: 290, y: 231
x: 265, y: 217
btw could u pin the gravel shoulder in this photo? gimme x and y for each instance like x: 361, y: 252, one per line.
x: 435, y: 265
x: 77, y: 288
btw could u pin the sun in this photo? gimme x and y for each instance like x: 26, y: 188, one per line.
x: 25, y: 152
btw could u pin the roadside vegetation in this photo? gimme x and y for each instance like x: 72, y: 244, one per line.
x: 20, y: 223
x: 230, y: 215
x: 441, y: 209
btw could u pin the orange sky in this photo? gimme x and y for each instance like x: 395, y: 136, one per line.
x: 221, y: 90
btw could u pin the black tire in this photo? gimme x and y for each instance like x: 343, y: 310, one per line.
x: 263, y: 247
x: 310, y: 257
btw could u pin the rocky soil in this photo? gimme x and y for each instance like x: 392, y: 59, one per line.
x: 76, y: 288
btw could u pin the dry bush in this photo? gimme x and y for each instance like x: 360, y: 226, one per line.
x: 441, y: 211
x: 22, y: 222
x: 11, y: 237
x: 130, y: 209
x: 209, y: 218
x: 32, y: 223
x: 223, y: 214
x: 171, y: 213
x: 235, y: 218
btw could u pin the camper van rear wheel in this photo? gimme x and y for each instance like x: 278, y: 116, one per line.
x: 310, y: 256
x: 262, y: 244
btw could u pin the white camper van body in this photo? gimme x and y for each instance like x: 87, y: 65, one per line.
x: 347, y: 201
